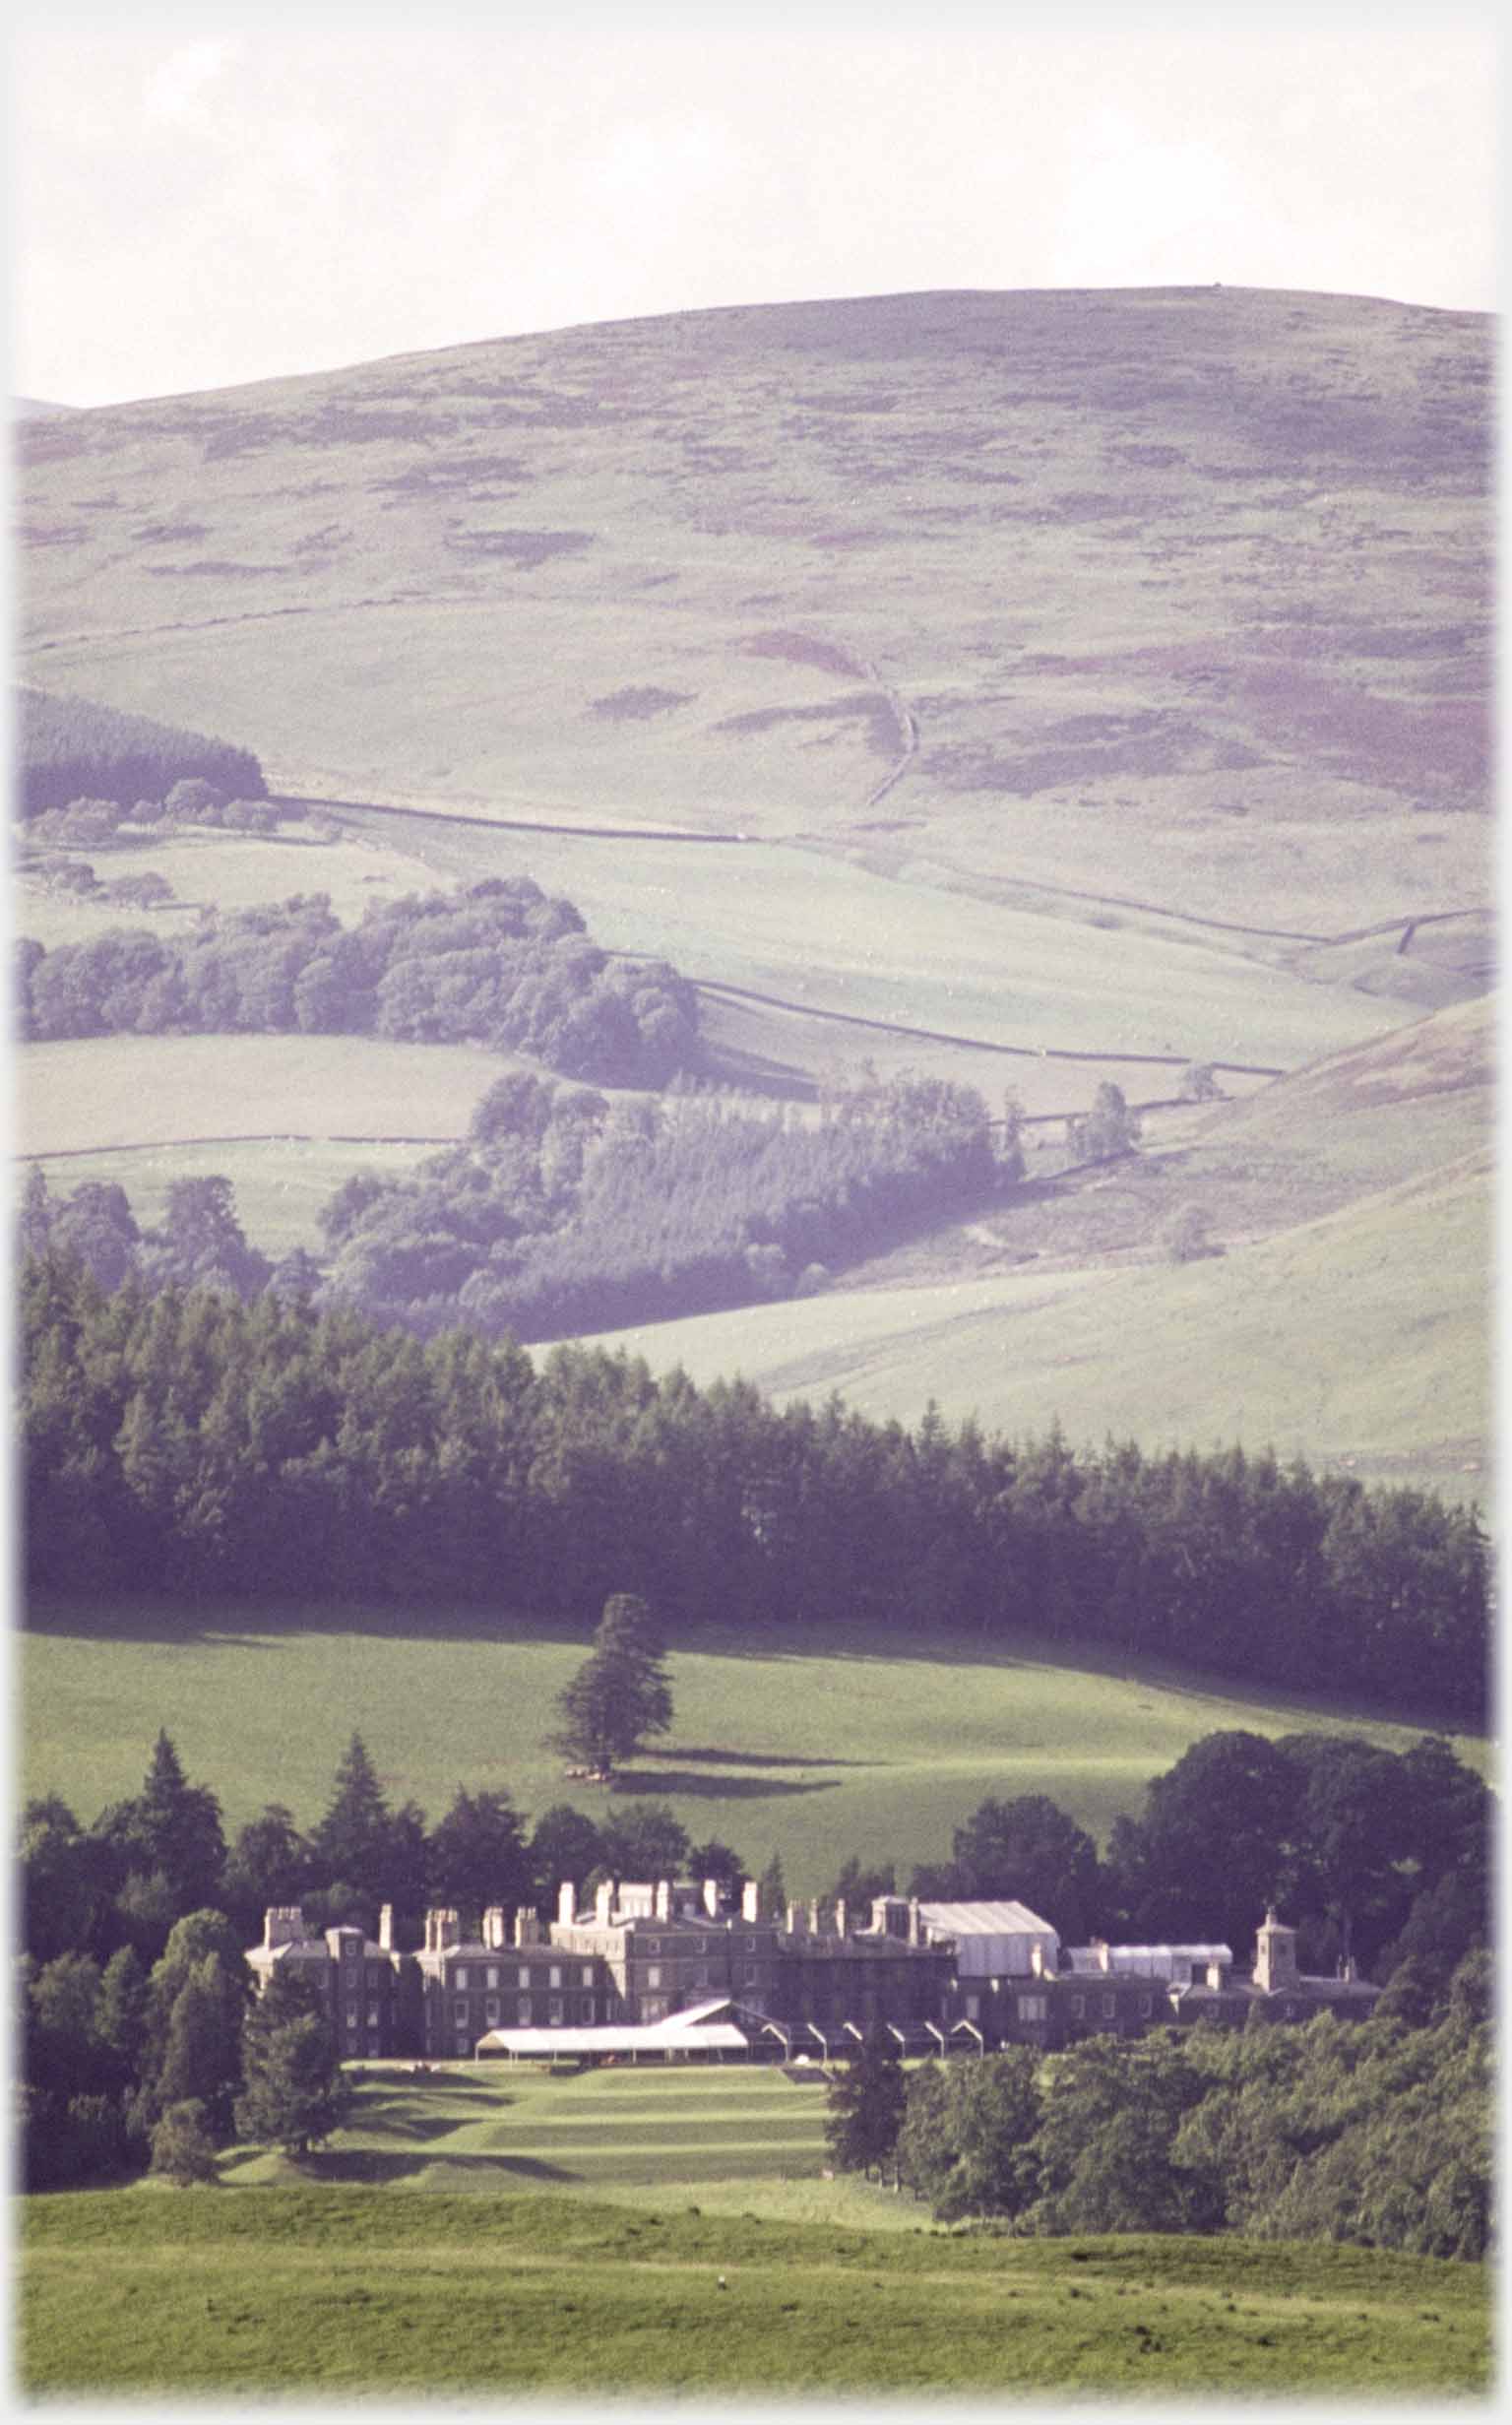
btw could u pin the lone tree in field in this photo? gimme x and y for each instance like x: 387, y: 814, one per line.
x: 866, y: 2105
x: 620, y: 1694
x: 1109, y: 1130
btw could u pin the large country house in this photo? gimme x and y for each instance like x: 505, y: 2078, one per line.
x: 678, y: 1968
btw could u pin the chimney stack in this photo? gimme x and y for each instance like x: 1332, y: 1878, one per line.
x: 1036, y: 1958
x: 663, y: 1898
x: 496, y: 1932
x: 842, y: 1915
x: 712, y: 1897
x: 797, y: 1920
x: 386, y: 1928
x: 283, y: 1925
x: 813, y: 1917
x: 750, y: 1902
x: 916, y: 1924
x: 526, y: 1926
x: 566, y: 1903
x: 603, y: 1901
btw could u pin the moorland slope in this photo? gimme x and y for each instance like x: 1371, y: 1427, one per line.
x: 1180, y: 594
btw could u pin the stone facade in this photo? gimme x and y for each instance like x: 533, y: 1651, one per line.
x: 642, y: 1952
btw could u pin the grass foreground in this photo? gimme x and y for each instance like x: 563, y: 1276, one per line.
x: 299, y: 2289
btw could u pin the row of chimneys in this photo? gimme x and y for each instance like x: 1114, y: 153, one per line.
x: 890, y: 1915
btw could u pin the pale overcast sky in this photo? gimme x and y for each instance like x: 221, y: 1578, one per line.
x: 201, y: 197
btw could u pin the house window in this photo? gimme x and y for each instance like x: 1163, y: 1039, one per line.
x: 525, y: 2013
x: 491, y: 2011
x: 463, y: 2048
x: 1033, y: 2007
x: 555, y: 2013
x: 1146, y: 2007
x: 588, y: 1974
x: 974, y: 2007
x: 654, y: 1975
x: 491, y: 1978
x: 372, y: 2016
x: 1079, y: 2006
x: 1109, y: 2006
x: 555, y: 1979
x: 352, y: 2016
x: 652, y: 1945
x: 751, y: 1974
x: 374, y: 2043
x: 461, y: 1979
x: 461, y: 2013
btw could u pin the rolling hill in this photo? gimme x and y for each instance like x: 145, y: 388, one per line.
x: 1077, y: 685
x: 1176, y: 594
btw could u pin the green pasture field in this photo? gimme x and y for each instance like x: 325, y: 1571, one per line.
x: 1357, y: 1340
x: 127, y: 1091
x: 840, y: 1740
x: 161, y: 2291
x: 223, y: 871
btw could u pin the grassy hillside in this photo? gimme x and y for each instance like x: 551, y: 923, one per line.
x: 1184, y: 588
x: 1350, y: 1311
x: 1073, y: 677
x: 844, y: 1745
x: 306, y: 2289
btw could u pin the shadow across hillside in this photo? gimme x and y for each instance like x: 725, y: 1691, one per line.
x: 370, y: 2167
x: 725, y: 1788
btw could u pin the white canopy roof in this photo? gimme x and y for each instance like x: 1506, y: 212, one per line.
x: 692, y: 2031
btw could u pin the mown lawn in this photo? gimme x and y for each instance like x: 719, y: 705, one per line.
x: 840, y: 1739
x: 158, y: 2291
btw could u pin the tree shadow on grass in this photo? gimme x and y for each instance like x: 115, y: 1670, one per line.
x: 717, y: 1788
x: 408, y: 2125
x: 759, y: 1759
x: 374, y: 2167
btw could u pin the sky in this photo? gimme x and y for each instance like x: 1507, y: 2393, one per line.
x: 202, y: 197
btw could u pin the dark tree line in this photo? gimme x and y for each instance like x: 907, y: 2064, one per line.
x: 500, y: 964
x: 1380, y: 2132
x: 70, y: 748
x: 180, y: 1441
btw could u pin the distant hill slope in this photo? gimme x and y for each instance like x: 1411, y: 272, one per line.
x: 1180, y: 594
x: 1345, y: 1320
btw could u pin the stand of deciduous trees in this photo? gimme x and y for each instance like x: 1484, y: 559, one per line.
x: 498, y: 964
x: 1377, y: 2131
